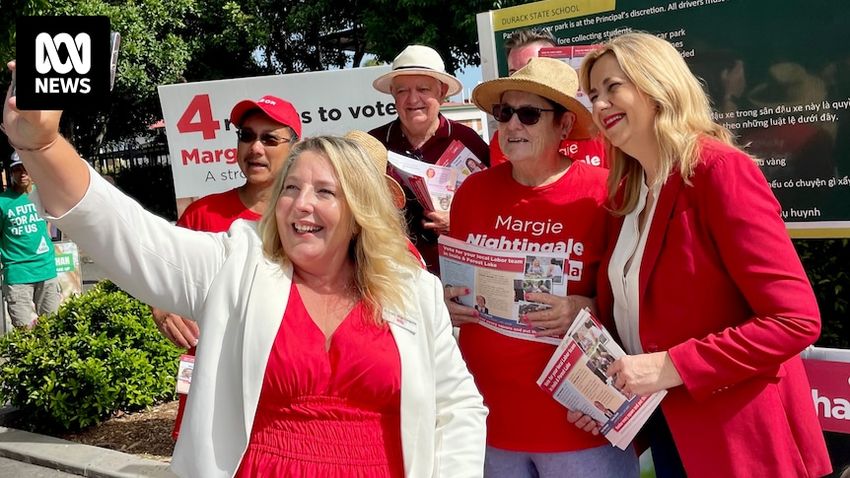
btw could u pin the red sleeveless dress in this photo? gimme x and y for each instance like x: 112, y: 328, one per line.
x: 331, y: 413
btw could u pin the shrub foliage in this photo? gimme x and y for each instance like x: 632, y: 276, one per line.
x: 99, y: 354
x: 826, y: 262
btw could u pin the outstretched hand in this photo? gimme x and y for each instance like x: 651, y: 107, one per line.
x: 28, y: 130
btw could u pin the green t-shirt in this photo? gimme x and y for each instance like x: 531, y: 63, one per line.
x: 25, y: 247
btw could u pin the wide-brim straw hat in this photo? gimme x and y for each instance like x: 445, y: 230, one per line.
x: 545, y: 77
x: 418, y: 60
x: 378, y: 154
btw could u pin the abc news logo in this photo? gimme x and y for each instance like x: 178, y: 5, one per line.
x: 63, y: 62
x: 47, y: 60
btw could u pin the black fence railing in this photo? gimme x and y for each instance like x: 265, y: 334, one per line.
x: 115, y: 161
x: 143, y: 173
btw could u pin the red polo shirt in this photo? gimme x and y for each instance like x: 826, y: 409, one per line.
x: 393, y: 138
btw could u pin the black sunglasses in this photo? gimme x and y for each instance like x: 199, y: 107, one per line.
x: 528, y: 115
x: 268, y: 139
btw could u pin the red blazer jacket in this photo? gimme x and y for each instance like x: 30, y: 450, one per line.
x: 723, y: 291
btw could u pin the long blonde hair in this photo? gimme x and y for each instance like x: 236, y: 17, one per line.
x: 683, y: 111
x: 379, y: 248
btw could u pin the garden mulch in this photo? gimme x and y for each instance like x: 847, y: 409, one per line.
x: 146, y: 433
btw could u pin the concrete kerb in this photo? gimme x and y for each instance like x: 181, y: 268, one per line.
x: 71, y: 457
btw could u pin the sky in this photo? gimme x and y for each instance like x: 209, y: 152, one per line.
x: 470, y: 77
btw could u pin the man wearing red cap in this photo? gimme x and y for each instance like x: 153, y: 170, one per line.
x: 266, y: 129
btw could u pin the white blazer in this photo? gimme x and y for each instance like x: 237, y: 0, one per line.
x: 238, y: 297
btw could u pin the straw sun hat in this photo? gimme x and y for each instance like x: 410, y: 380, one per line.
x: 546, y: 77
x: 418, y: 60
x: 378, y: 154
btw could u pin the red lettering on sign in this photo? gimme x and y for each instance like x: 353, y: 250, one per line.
x: 205, y: 124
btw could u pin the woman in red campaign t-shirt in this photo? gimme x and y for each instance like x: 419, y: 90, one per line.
x: 539, y: 200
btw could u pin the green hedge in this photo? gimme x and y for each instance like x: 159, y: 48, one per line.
x: 100, y: 353
x: 827, y: 262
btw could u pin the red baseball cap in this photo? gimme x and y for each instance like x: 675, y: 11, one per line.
x: 275, y: 108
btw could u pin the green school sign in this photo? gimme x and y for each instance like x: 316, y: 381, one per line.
x: 778, y: 74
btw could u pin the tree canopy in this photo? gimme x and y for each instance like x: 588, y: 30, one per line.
x: 171, y: 41
x: 154, y: 51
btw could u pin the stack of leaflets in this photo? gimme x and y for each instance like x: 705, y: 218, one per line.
x: 434, y: 186
x: 576, y: 378
x: 461, y: 159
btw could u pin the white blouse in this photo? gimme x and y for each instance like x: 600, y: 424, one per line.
x: 624, y: 270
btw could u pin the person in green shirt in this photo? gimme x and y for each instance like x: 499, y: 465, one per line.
x: 30, y: 286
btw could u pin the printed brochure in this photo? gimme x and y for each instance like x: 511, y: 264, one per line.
x: 433, y: 185
x: 498, y: 281
x: 576, y: 378
x: 184, y: 373
x: 461, y: 159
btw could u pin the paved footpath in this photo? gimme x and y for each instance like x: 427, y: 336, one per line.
x: 19, y: 448
x: 92, y: 273
x: 16, y: 468
x: 73, y: 457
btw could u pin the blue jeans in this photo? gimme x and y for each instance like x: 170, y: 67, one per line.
x: 602, y: 461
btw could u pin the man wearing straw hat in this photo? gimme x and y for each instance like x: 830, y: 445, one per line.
x: 418, y: 83
x: 544, y: 201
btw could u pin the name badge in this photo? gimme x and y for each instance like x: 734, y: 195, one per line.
x: 403, y: 322
x: 184, y: 373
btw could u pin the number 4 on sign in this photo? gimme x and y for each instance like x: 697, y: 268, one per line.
x: 205, y: 124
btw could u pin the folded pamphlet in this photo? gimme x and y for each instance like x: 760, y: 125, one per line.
x: 576, y: 378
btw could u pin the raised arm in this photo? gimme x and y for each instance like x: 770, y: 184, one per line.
x: 61, y: 175
x: 157, y: 262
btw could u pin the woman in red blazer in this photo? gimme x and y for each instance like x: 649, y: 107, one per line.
x: 703, y: 284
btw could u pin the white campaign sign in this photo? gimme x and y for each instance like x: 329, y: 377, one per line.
x: 202, y: 142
